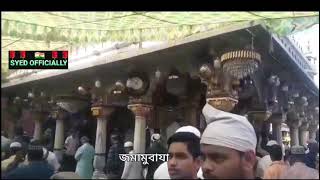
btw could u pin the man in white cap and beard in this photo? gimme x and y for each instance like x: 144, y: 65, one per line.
x: 227, y: 145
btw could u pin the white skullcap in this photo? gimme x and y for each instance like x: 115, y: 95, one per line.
x: 190, y: 129
x: 272, y: 142
x: 155, y: 137
x: 15, y: 145
x: 128, y: 144
x: 228, y: 130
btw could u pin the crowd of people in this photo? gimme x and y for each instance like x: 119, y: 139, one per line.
x: 227, y: 149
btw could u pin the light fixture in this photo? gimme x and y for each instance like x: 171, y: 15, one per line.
x: 30, y: 95
x: 97, y: 84
x: 118, y: 88
x: 82, y: 90
x: 158, y: 74
x: 241, y: 63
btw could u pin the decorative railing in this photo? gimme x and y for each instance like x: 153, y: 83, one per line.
x: 298, y: 56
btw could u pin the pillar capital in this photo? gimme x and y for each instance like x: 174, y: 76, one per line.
x: 59, y: 114
x: 259, y: 115
x: 102, y: 111
x: 141, y: 110
x: 277, y: 118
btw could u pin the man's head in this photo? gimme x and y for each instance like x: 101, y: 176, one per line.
x: 227, y: 146
x: 155, y: 137
x: 15, y: 147
x: 115, y: 138
x: 275, y: 152
x: 128, y: 146
x: 18, y: 131
x: 35, y: 152
x: 84, y: 139
x: 297, y: 154
x: 184, y: 152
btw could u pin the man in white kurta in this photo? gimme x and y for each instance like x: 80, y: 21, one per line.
x: 84, y: 157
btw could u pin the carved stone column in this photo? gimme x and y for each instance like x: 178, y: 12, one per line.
x: 140, y: 111
x: 101, y: 113
x: 294, y: 123
x: 303, y: 133
x: 313, y: 124
x: 60, y: 116
x: 257, y: 119
x: 38, y: 120
x: 276, y: 120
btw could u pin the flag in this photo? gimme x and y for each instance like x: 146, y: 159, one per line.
x: 54, y: 54
x: 65, y: 54
x: 39, y: 55
x: 22, y: 54
x: 12, y: 54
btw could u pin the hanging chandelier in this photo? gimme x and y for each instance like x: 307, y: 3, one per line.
x: 241, y: 63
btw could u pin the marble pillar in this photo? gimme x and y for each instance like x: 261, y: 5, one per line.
x: 102, y: 115
x: 37, y: 117
x: 303, y: 133
x: 59, y: 134
x: 140, y: 111
x: 277, y: 119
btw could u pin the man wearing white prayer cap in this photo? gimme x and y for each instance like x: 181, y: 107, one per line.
x: 227, y: 145
x: 184, y: 153
x: 177, y: 167
x: 265, y: 161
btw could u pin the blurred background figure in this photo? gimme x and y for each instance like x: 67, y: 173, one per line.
x: 114, y: 166
x: 156, y: 147
x: 71, y: 145
x: 128, y: 148
x: 37, y: 167
x: 84, y: 157
x: 16, y: 157
x: 265, y: 161
x: 298, y: 169
x: 277, y: 167
x: 313, y: 150
x: 19, y: 137
x: 5, y: 145
x: 48, y: 156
